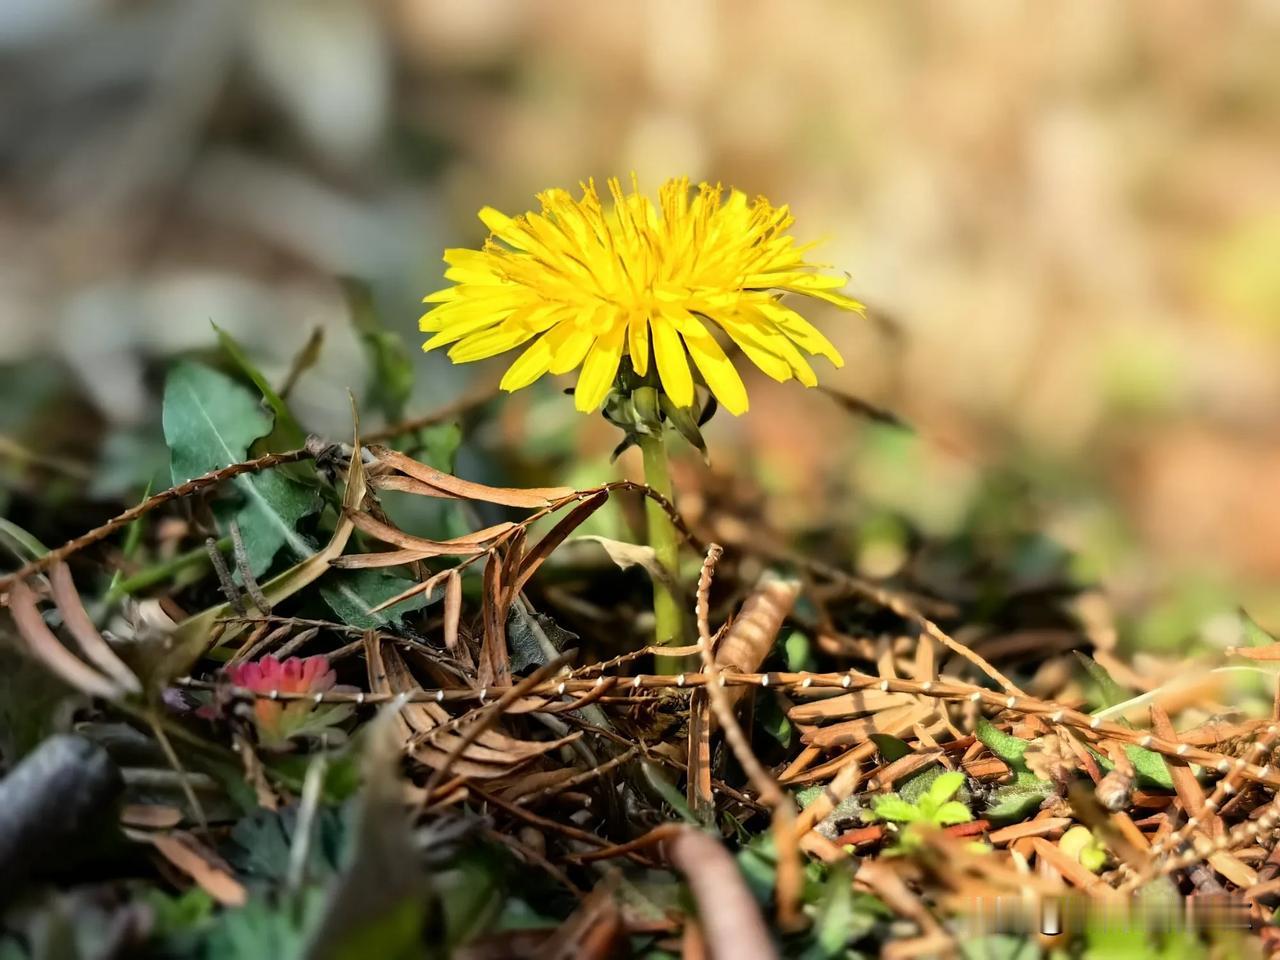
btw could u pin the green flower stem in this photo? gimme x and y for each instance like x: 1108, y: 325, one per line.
x: 667, y: 609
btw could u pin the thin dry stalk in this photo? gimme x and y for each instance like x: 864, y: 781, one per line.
x: 727, y: 912
x: 784, y: 812
x: 121, y: 520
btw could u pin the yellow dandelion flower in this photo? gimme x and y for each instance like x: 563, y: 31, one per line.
x: 592, y: 283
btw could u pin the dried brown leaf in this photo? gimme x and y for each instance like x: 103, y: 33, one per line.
x: 44, y: 646
x: 86, y: 634
x: 465, y: 489
x: 202, y: 865
x: 556, y: 536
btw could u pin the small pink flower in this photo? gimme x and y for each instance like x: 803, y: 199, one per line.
x: 277, y: 720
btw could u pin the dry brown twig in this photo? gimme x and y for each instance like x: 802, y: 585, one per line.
x: 756, y: 627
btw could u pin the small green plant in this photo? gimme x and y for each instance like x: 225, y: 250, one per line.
x: 1081, y: 845
x: 934, y: 809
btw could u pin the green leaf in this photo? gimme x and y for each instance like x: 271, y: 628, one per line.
x: 1150, y: 767
x: 525, y: 634
x: 758, y: 861
x: 796, y: 649
x: 999, y: 946
x: 809, y: 794
x: 353, y: 595
x: 1109, y: 692
x: 259, y: 930
x: 259, y: 844
x: 894, y: 808
x: 951, y: 812
x: 1005, y: 746
x: 1255, y: 635
x: 288, y: 433
x: 391, y: 370
x: 381, y: 902
x: 209, y: 422
x: 177, y: 915
x: 842, y: 917
x: 945, y: 786
x: 1015, y: 800
x: 21, y: 544
x: 916, y: 786
x: 891, y: 748
x: 439, y: 445
x: 773, y: 720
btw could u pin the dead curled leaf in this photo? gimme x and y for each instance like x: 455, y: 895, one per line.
x: 438, y: 483
x: 628, y: 555
x: 45, y: 647
x: 202, y: 865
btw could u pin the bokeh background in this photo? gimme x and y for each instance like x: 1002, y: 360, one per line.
x: 1065, y: 218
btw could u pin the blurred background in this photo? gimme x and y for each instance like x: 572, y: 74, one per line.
x: 1065, y: 219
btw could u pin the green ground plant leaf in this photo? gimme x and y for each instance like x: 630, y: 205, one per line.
x: 209, y: 422
x: 353, y: 595
x: 1005, y: 746
x: 287, y: 433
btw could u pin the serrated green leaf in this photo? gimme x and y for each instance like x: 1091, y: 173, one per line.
x: 353, y: 595
x: 1005, y: 746
x: 809, y: 794
x: 945, y: 786
x: 177, y: 915
x: 259, y: 929
x: 260, y: 843
x: 209, y: 422
x: 916, y: 786
x: 952, y: 812
x: 894, y: 808
x: 287, y: 433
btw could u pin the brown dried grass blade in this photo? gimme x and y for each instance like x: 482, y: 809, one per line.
x: 382, y: 559
x: 556, y: 536
x: 86, y: 635
x: 492, y: 714
x: 848, y: 705
x: 426, y: 586
x: 494, y: 667
x: 375, y: 528
x: 202, y: 865
x: 1189, y: 791
x: 853, y: 732
x: 698, y: 764
x: 402, y: 484
x: 452, y: 609
x: 44, y: 646
x: 465, y: 489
